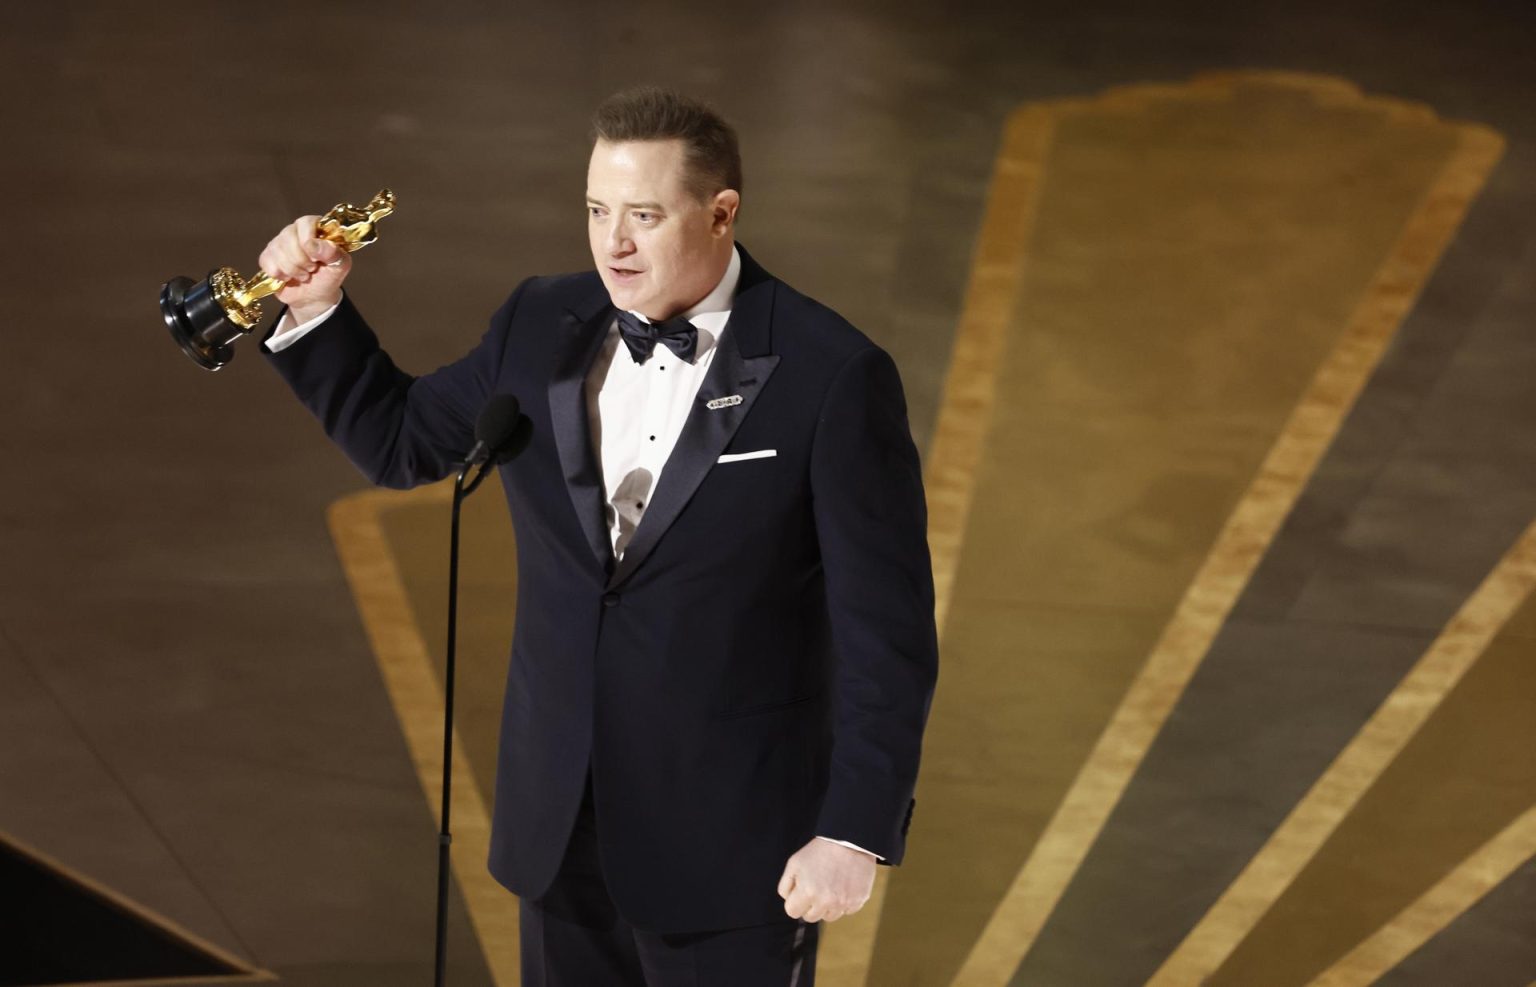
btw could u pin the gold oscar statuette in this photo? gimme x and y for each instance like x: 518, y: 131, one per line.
x: 206, y: 317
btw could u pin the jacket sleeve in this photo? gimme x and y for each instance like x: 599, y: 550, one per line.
x: 871, y: 522
x: 398, y: 429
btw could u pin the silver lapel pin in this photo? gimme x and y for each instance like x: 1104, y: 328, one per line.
x: 725, y: 402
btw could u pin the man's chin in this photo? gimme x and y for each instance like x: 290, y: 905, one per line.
x: 628, y: 300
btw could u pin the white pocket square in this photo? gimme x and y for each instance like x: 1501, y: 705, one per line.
x: 733, y: 457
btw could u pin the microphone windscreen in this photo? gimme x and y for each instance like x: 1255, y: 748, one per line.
x: 522, y: 434
x: 497, y: 421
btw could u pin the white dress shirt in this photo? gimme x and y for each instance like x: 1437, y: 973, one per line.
x: 635, y: 410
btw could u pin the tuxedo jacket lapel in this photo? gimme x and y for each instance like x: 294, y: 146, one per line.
x: 584, y: 334
x: 741, y: 366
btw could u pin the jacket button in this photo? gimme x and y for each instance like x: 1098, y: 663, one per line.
x: 610, y: 599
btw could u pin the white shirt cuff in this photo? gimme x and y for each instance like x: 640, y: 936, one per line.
x: 851, y: 846
x: 287, y: 333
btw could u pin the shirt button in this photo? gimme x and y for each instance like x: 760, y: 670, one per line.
x: 610, y: 599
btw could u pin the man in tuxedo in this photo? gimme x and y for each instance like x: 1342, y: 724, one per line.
x: 724, y: 651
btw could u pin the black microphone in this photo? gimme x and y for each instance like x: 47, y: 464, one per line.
x: 501, y: 432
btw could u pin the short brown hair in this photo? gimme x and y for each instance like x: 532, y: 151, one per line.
x: 650, y: 113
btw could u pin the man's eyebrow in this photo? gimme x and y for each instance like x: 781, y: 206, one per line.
x: 653, y: 206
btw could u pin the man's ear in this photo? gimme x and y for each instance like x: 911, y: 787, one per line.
x: 723, y: 211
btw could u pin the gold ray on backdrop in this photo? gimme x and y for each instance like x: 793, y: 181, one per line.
x: 970, y: 390
x: 1326, y: 805
x: 968, y: 768
x: 1458, y: 891
x: 1458, y: 782
x: 360, y: 526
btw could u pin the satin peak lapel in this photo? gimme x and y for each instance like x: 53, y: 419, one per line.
x: 573, y: 436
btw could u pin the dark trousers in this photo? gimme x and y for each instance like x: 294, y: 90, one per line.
x: 574, y: 937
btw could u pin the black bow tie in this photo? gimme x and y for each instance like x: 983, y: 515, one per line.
x: 677, y: 335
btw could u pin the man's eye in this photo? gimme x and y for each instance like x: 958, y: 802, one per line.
x: 595, y: 212
x: 646, y: 217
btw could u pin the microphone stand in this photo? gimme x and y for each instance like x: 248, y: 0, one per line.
x: 444, y: 837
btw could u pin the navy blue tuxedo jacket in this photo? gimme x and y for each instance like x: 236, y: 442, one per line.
x: 758, y: 667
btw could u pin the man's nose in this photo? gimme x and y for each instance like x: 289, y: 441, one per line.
x: 619, y: 243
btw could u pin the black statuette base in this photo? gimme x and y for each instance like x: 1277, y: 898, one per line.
x: 198, y: 323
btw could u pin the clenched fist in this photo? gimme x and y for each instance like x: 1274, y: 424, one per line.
x: 824, y: 881
x: 313, y: 269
